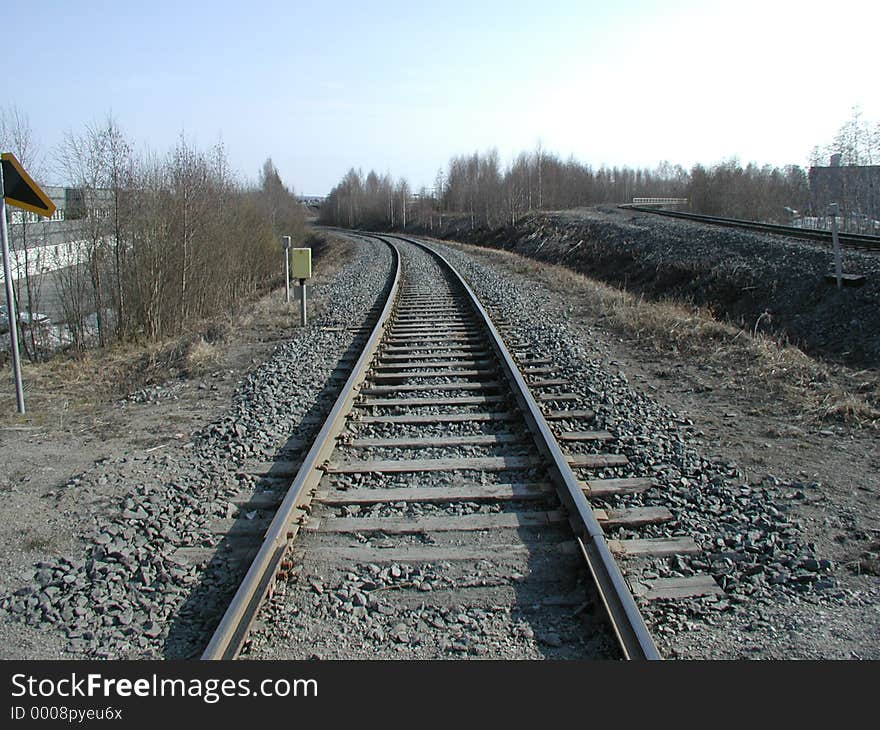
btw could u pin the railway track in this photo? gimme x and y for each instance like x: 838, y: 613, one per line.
x: 849, y: 240
x: 447, y: 448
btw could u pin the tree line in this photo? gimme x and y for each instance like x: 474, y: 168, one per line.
x: 478, y: 187
x: 488, y: 193
x: 162, y: 241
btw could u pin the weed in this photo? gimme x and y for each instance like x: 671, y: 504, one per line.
x: 201, y: 357
x: 35, y: 542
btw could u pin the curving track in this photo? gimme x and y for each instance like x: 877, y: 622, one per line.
x: 443, y: 449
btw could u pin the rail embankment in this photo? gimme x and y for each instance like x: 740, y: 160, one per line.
x: 762, y: 283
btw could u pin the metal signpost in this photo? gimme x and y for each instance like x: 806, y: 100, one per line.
x: 302, y: 270
x: 17, y: 187
x: 833, y: 209
x: 10, y: 311
x: 285, y: 241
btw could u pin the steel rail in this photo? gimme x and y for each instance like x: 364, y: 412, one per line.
x: 626, y: 619
x: 230, y: 634
x: 851, y: 240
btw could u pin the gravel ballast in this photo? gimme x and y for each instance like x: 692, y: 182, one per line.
x: 521, y: 597
x: 128, y: 593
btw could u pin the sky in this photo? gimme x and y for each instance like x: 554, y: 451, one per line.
x: 401, y: 87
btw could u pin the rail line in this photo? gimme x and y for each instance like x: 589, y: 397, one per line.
x: 437, y: 392
x: 849, y: 240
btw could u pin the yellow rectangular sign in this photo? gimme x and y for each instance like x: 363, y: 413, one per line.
x: 301, y: 263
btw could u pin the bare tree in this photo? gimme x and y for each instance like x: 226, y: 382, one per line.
x: 475, y: 189
x: 83, y: 158
x: 403, y: 194
x: 120, y: 173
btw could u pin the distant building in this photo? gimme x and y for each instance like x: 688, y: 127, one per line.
x: 69, y: 204
x: 855, y: 187
x: 56, y: 195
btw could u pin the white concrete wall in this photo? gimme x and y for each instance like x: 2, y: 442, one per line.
x: 43, y: 259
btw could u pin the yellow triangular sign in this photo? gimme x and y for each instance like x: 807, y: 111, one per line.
x: 21, y: 191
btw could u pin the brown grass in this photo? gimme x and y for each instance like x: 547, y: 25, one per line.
x: 202, y: 357
x: 818, y: 391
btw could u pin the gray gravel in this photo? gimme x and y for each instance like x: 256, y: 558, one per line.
x: 130, y: 594
x: 512, y: 604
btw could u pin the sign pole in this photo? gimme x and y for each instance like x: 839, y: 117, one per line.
x: 285, y: 240
x: 10, y: 304
x: 21, y: 191
x: 302, y: 270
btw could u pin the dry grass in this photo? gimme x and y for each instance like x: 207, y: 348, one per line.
x: 749, y: 361
x: 202, y: 357
x: 70, y: 384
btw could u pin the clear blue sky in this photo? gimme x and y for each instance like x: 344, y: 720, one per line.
x: 402, y: 86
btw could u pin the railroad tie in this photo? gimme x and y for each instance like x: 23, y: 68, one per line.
x: 484, y: 463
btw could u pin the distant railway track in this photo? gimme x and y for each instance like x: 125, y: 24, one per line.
x: 436, y: 391
x: 849, y: 240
